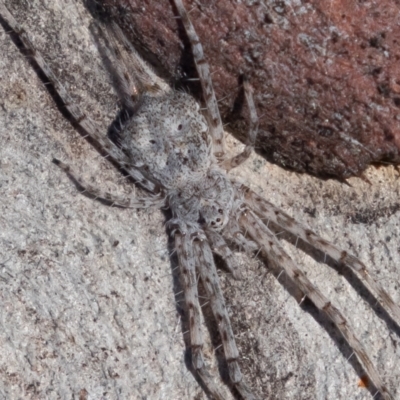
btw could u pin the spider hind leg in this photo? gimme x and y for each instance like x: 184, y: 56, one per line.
x: 240, y: 158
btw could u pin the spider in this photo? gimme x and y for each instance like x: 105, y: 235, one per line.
x: 185, y: 168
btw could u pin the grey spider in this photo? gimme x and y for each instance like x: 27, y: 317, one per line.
x: 178, y: 154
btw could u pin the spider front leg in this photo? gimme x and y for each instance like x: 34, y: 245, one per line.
x: 209, y: 278
x: 274, y: 252
x: 266, y: 210
x: 157, y: 200
x: 220, y: 248
x: 187, y: 266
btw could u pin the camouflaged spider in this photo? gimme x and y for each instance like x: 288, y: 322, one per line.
x: 177, y: 152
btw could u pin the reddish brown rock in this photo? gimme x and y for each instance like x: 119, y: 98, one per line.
x: 326, y: 74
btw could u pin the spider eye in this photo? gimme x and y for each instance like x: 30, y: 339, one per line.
x: 213, y: 223
x: 221, y: 211
x: 180, y: 127
x: 218, y: 219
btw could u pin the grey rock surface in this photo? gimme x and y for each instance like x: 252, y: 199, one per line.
x: 86, y: 291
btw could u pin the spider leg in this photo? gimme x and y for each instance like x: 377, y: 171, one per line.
x: 203, y: 70
x: 127, y: 202
x: 143, y: 79
x: 126, y: 86
x: 186, y: 258
x: 220, y: 247
x: 252, y: 135
x: 274, y: 252
x: 209, y: 277
x: 265, y: 209
x: 74, y: 114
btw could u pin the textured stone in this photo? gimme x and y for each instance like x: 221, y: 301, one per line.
x: 326, y: 76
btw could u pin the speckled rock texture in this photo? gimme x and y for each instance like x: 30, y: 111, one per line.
x: 326, y: 73
x: 87, y: 292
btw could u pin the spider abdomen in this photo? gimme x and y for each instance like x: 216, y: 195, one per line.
x: 169, y: 135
